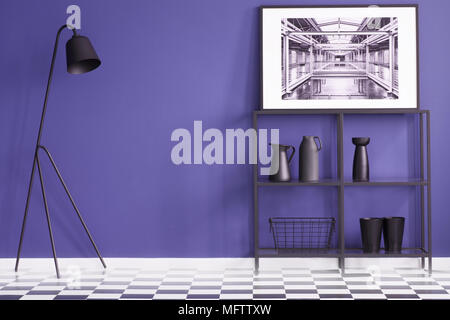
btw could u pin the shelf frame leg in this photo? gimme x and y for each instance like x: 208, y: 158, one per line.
x: 430, y: 261
x: 341, y: 229
x: 256, y: 201
x: 422, y: 191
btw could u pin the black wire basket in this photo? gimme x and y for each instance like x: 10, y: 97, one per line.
x: 302, y: 233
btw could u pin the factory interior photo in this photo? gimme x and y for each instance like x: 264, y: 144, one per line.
x: 339, y: 58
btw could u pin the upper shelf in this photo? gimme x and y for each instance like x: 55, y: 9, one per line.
x: 338, y: 111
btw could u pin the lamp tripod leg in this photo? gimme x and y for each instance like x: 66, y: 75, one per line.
x: 30, y: 187
x: 48, y: 216
x: 73, y: 204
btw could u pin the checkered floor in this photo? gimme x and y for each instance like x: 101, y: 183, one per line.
x: 286, y: 283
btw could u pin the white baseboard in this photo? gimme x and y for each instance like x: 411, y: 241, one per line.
x: 7, y: 264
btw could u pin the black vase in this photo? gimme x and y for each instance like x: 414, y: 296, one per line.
x: 360, y: 160
x: 371, y: 234
x: 393, y: 234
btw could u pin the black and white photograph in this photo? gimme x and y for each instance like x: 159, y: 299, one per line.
x: 333, y: 60
x: 339, y: 58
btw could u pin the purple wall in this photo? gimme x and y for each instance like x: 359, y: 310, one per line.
x: 165, y: 64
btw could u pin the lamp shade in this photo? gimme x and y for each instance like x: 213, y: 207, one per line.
x: 81, y: 56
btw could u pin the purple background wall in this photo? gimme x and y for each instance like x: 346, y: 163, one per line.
x: 165, y: 64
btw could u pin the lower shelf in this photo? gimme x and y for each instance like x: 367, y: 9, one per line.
x: 335, y: 253
x: 406, y: 252
x: 297, y: 253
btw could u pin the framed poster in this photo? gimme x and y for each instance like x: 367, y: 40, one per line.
x: 339, y: 57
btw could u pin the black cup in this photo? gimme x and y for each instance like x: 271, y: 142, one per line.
x: 371, y: 234
x: 393, y: 234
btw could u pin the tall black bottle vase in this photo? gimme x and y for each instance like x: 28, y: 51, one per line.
x: 361, y: 159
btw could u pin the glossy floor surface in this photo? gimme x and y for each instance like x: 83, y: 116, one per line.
x: 230, y: 283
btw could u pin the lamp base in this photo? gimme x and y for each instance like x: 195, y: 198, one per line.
x: 37, y: 163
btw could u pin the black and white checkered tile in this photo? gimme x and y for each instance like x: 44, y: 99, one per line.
x: 234, y: 283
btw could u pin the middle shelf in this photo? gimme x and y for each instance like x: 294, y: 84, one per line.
x: 334, y: 182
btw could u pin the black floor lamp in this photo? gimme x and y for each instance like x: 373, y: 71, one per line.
x: 81, y: 58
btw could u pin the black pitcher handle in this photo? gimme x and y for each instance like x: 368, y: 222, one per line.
x: 320, y: 143
x: 292, y: 154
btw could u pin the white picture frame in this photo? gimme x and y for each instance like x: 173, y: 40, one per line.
x: 327, y: 59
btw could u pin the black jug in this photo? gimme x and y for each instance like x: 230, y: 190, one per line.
x: 308, y: 159
x: 371, y: 234
x: 361, y: 160
x: 393, y: 234
x: 280, y: 167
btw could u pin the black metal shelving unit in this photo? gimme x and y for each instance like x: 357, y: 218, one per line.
x: 423, y: 182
